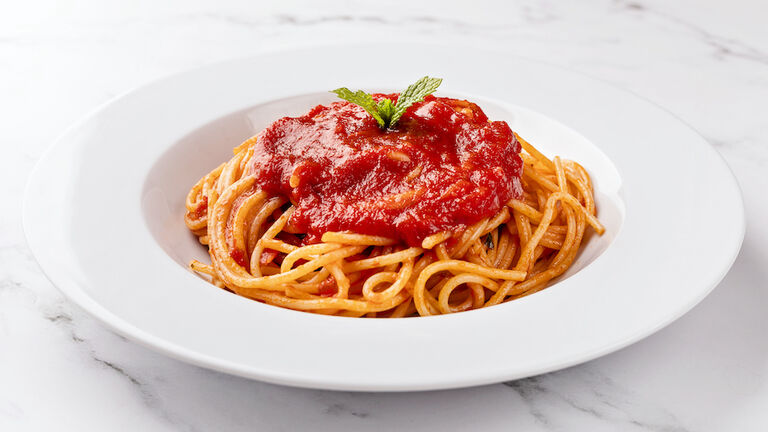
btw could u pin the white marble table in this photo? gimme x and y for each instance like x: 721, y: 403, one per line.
x: 705, y: 61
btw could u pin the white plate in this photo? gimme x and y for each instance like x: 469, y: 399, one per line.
x: 104, y: 206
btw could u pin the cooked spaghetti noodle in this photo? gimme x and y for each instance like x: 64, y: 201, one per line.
x: 256, y: 251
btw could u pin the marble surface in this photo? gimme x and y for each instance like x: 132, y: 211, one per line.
x: 704, y: 60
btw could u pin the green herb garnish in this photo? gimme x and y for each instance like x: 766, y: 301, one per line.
x: 386, y: 112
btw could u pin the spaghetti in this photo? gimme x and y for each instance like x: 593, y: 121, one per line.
x: 266, y: 241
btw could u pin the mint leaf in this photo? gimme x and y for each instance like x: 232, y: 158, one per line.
x: 415, y: 92
x: 386, y: 109
x: 386, y: 112
x: 364, y: 100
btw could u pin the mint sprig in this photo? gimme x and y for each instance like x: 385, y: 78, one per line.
x: 385, y: 111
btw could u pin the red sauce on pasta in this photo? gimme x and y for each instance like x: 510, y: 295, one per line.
x: 442, y: 168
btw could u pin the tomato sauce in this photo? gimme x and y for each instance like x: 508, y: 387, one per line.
x: 202, y: 208
x: 443, y: 167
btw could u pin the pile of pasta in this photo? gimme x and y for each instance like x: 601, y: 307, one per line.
x: 515, y: 253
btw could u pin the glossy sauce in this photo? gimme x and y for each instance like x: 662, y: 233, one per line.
x: 442, y: 168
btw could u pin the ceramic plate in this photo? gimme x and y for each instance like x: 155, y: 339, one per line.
x: 104, y: 217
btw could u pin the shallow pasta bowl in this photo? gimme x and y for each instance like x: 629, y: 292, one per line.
x: 104, y: 208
